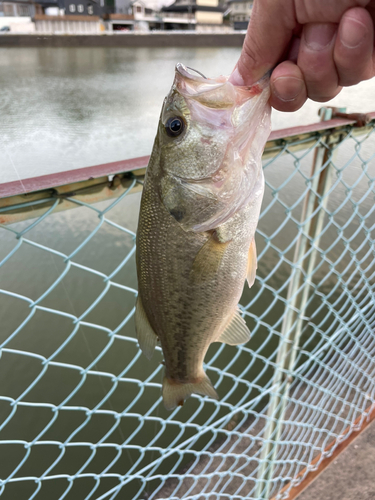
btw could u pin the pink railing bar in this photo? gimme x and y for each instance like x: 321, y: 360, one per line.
x: 314, y: 127
x: 83, y: 174
x: 69, y: 177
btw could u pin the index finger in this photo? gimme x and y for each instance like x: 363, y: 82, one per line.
x: 270, y: 30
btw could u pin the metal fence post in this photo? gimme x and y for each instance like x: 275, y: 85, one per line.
x: 298, y: 291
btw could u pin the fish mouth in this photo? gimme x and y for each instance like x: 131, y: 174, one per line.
x: 199, y: 77
x: 182, y: 70
x: 215, y: 93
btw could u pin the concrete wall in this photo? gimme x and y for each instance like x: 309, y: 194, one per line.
x: 18, y: 24
x: 66, y: 27
x: 126, y: 40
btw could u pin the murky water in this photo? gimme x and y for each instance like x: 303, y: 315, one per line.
x: 70, y: 108
x: 67, y: 108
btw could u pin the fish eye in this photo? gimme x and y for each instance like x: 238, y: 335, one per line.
x: 174, y: 126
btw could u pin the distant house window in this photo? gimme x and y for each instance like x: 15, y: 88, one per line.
x: 8, y: 10
x: 23, y: 10
x: 138, y: 8
x: 72, y: 7
x: 90, y: 10
x: 80, y: 8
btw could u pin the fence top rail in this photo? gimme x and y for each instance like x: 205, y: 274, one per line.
x: 49, y: 181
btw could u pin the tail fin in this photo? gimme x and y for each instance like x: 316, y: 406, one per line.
x: 174, y: 394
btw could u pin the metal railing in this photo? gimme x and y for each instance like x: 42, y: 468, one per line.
x: 80, y: 407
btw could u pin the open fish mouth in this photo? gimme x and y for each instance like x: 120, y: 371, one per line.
x: 183, y: 71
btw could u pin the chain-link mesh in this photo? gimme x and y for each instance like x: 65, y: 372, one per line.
x: 80, y: 407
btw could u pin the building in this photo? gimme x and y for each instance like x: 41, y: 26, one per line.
x: 80, y: 7
x: 51, y: 16
x: 68, y: 25
x: 84, y: 16
x: 189, y: 14
x: 17, y: 8
x: 240, y: 12
x: 16, y: 15
x: 116, y: 22
x: 134, y: 15
x: 69, y: 17
x: 145, y: 17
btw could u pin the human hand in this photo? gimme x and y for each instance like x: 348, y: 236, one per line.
x: 316, y: 47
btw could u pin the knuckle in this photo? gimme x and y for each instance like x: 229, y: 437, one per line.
x: 287, y: 106
x: 322, y: 98
x: 323, y: 93
x: 249, y: 54
x: 353, y: 76
x: 349, y: 80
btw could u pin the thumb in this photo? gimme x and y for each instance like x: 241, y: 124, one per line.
x: 270, y: 30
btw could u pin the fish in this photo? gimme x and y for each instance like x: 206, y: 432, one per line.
x: 199, y: 210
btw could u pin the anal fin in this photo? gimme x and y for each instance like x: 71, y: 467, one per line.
x: 236, y: 331
x: 252, y: 264
x: 146, y: 336
x: 174, y: 393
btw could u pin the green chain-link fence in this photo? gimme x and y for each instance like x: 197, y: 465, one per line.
x: 80, y: 407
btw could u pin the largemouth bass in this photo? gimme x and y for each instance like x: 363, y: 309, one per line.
x: 199, y: 211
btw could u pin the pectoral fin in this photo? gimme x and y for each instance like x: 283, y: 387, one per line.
x: 236, y: 332
x: 252, y: 264
x: 147, y: 338
x: 208, y: 259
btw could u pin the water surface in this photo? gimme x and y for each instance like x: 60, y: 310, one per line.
x: 67, y: 108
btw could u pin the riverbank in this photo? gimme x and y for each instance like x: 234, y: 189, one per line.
x: 153, y: 39
x: 350, y: 476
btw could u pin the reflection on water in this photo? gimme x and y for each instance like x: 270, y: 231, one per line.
x: 68, y: 108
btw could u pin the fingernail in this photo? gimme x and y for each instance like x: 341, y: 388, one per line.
x: 287, y: 88
x: 352, y: 32
x: 236, y: 78
x: 318, y: 35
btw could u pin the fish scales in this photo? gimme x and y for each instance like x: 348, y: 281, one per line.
x: 192, y: 244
